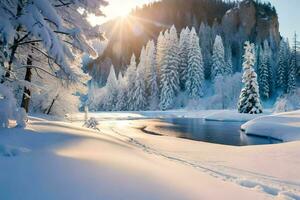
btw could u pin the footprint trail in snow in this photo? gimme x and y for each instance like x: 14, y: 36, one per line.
x: 272, y: 186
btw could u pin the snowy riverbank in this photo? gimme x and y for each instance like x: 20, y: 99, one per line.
x: 65, y: 161
x: 284, y: 126
x: 209, y: 115
x: 232, y: 116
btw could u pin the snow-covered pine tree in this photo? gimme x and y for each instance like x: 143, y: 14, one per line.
x: 169, y: 83
x: 206, y: 44
x: 122, y: 98
x: 112, y: 91
x: 218, y: 58
x: 292, y: 72
x: 161, y: 51
x: 139, y: 90
x: 152, y: 79
x: 183, y: 56
x: 195, y: 69
x: 229, y: 66
x: 249, y: 101
x: 216, y: 29
x: 281, y: 71
x: 263, y: 72
x: 160, y: 48
x: 272, y: 63
x: 130, y: 75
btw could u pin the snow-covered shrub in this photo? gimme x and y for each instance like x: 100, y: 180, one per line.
x: 288, y: 103
x: 9, y: 109
x: 91, y: 123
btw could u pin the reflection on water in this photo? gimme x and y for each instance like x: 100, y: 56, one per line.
x: 227, y: 133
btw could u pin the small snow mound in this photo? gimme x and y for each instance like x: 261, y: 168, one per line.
x: 283, y: 126
x: 12, y: 151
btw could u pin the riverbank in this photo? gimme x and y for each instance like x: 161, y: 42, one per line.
x: 283, y: 126
x: 62, y: 160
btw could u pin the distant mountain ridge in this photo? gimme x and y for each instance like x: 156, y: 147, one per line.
x: 235, y: 22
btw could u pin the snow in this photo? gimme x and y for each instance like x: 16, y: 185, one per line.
x: 62, y: 160
x: 208, y: 115
x: 9, y: 109
x: 283, y: 126
x: 231, y: 116
x: 120, y: 115
x: 10, y: 151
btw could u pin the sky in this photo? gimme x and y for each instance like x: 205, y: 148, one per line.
x: 289, y: 16
x: 288, y: 12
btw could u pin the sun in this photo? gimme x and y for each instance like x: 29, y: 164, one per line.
x: 115, y: 9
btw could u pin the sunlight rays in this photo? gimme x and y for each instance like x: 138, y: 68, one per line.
x: 128, y: 24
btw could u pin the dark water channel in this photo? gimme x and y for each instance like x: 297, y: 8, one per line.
x: 227, y: 133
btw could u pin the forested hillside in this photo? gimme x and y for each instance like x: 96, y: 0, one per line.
x: 236, y: 23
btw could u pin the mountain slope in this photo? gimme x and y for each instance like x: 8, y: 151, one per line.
x: 248, y: 20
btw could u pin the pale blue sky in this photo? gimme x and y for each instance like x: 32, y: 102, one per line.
x: 289, y: 16
x: 288, y: 12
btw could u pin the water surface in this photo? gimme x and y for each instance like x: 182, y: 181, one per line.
x: 227, y: 133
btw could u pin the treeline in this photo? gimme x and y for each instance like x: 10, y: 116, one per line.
x: 171, y: 74
x: 160, y: 15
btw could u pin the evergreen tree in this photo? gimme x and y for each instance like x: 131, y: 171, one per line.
x: 249, y: 101
x: 206, y: 44
x: 281, y: 71
x: 112, y: 90
x: 229, y: 66
x: 270, y: 64
x: 218, y: 59
x: 122, y: 98
x: 143, y: 62
x: 183, y: 56
x: 130, y: 76
x: 291, y: 85
x: 161, y: 51
x: 292, y: 73
x: 195, y: 69
x: 263, y: 73
x: 169, y: 71
x: 152, y: 79
x: 160, y: 48
x: 139, y: 94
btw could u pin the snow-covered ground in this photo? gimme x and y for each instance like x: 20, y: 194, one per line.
x: 209, y: 115
x: 143, y: 114
x: 61, y: 160
x: 284, y: 126
x: 232, y: 116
